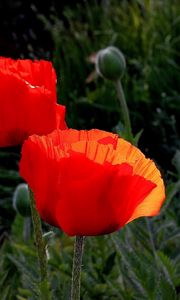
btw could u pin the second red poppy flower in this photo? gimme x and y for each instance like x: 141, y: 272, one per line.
x: 27, y: 100
x: 90, y: 182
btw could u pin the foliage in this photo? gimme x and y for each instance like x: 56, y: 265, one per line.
x: 141, y: 261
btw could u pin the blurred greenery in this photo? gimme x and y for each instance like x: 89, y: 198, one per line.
x: 147, y: 32
x: 142, y: 261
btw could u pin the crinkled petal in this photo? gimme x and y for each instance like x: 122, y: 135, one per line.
x: 37, y: 73
x: 72, y: 136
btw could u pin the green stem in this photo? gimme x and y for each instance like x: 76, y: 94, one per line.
x: 76, y: 272
x: 41, y: 249
x: 124, y: 108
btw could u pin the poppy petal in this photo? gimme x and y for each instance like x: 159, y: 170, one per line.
x: 84, y: 182
x: 153, y: 202
x: 41, y: 173
x: 102, y: 201
x: 129, y: 190
x: 125, y: 152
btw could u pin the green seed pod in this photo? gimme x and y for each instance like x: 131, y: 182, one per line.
x: 21, y: 200
x: 110, y: 63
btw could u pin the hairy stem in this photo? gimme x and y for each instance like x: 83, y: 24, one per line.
x: 76, y: 272
x: 41, y: 249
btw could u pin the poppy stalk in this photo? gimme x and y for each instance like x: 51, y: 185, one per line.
x: 76, y: 270
x: 41, y: 249
x: 124, y: 108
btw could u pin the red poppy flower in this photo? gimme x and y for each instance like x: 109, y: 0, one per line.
x: 90, y: 182
x: 27, y: 100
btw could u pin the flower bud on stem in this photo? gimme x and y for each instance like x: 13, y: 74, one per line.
x: 77, y: 263
x: 41, y: 250
x: 111, y: 65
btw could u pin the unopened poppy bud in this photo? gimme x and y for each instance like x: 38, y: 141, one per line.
x: 21, y: 200
x: 110, y: 63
